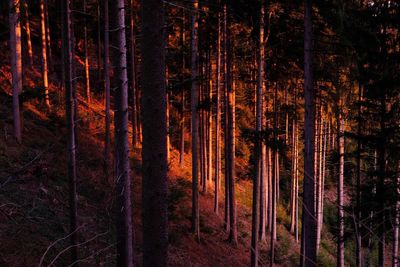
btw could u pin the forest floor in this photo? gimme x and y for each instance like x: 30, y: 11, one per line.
x: 34, y: 194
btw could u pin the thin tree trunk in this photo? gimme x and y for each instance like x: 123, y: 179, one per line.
x: 308, y: 242
x: 16, y: 64
x: 133, y: 75
x: 217, y: 120
x: 210, y: 124
x: 154, y: 153
x: 107, y: 164
x: 99, y: 61
x: 231, y: 134
x: 340, y: 237
x: 28, y: 31
x: 123, y: 180
x: 395, y: 253
x: 195, y: 123
x: 44, y: 53
x: 358, y: 189
x: 167, y: 113
x: 48, y: 38
x: 182, y: 123
x: 87, y: 71
x: 69, y: 105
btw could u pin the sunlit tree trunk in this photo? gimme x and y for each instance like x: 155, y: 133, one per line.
x: 48, y: 37
x: 69, y: 105
x: 167, y: 112
x: 358, y: 189
x: 16, y: 64
x: 99, y: 46
x: 154, y: 153
x: 195, y: 123
x: 28, y: 31
x: 106, y: 57
x: 308, y: 242
x: 210, y: 121
x: 87, y: 71
x: 123, y: 179
x: 44, y: 52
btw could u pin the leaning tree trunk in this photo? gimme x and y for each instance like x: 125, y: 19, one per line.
x: 308, y: 243
x: 16, y: 64
x: 69, y: 105
x: 44, y: 53
x: 123, y: 180
x: 154, y: 119
x: 195, y: 122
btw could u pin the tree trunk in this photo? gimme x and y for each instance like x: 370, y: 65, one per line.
x: 123, y: 180
x: 340, y: 237
x: 217, y: 119
x: 44, y: 53
x: 195, y: 123
x: 28, y: 31
x: 182, y: 123
x: 69, y: 106
x: 308, y: 242
x: 99, y: 61
x: 16, y: 64
x: 257, y: 206
x: 133, y: 75
x: 231, y: 134
x: 380, y: 189
x: 87, y: 71
x: 155, y: 164
x: 48, y: 38
x: 358, y: 189
x: 106, y: 57
x: 395, y: 253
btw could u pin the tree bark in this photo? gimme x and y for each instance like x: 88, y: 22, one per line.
x: 340, y: 141
x: 70, y: 110
x: 308, y: 242
x: 28, y: 31
x: 123, y: 180
x: 44, y: 53
x: 195, y: 123
x: 107, y: 91
x: 16, y: 64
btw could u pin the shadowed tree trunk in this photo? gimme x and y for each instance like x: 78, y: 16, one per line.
x: 182, y: 122
x: 217, y: 120
x: 154, y: 118
x: 358, y: 189
x: 16, y: 64
x: 123, y: 180
x: 195, y: 123
x: 132, y: 31
x: 107, y: 164
x: 308, y: 242
x: 395, y: 253
x: 69, y: 105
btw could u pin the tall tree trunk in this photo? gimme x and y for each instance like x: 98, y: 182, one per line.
x: 133, y: 75
x: 308, y: 242
x: 16, y: 64
x: 87, y: 71
x: 44, y: 53
x: 106, y: 57
x: 123, y: 180
x: 340, y: 237
x: 396, y: 227
x: 358, y: 189
x: 69, y: 106
x: 210, y: 124
x: 167, y: 112
x: 155, y: 165
x: 380, y: 189
x: 231, y: 134
x: 217, y: 119
x: 99, y: 51
x: 195, y: 123
x: 28, y: 31
x: 227, y: 205
x: 257, y: 205
x: 182, y: 122
x: 48, y: 37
